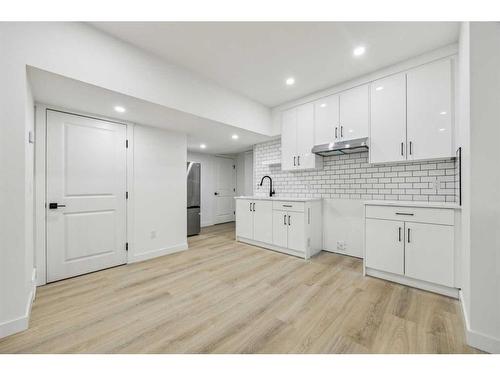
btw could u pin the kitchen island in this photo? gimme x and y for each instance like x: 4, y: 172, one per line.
x: 289, y: 225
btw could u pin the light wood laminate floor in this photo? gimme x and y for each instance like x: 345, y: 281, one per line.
x: 221, y: 296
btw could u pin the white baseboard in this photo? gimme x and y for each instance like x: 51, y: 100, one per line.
x: 157, y: 253
x: 478, y: 340
x: 20, y: 324
x: 419, y: 284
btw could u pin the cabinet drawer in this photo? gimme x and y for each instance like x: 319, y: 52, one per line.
x: 443, y: 216
x: 289, y: 206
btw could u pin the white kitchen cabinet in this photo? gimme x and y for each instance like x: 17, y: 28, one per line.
x: 411, y: 115
x: 384, y: 245
x: 289, y: 139
x: 305, y: 137
x: 244, y: 218
x: 412, y: 245
x: 297, y: 139
x: 388, y: 119
x: 296, y: 231
x: 280, y: 228
x: 263, y: 221
x: 429, y: 111
x: 254, y: 220
x: 429, y: 252
x: 292, y: 227
x: 326, y: 119
x: 354, y: 114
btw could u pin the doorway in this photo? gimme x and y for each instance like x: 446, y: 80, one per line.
x: 86, y: 179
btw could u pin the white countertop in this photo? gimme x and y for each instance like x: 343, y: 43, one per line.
x: 413, y: 204
x: 288, y: 199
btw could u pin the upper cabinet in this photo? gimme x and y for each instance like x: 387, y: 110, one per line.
x: 407, y: 116
x: 326, y: 119
x: 411, y: 115
x: 342, y: 116
x: 429, y: 111
x: 388, y: 119
x: 354, y: 113
x: 297, y: 139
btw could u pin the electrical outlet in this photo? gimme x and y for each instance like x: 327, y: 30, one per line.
x: 341, y: 245
x: 153, y: 234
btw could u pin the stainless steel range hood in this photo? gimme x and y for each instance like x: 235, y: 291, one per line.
x: 342, y: 147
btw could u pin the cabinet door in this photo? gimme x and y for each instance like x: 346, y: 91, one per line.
x: 280, y: 228
x: 296, y: 231
x: 388, y: 119
x: 385, y: 245
x: 354, y: 114
x: 429, y: 111
x: 429, y: 252
x: 326, y: 119
x: 305, y: 136
x: 289, y: 139
x: 244, y: 218
x: 263, y: 221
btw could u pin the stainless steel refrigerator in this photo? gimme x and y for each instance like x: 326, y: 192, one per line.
x: 193, y: 198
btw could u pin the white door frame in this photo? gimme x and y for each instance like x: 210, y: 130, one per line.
x: 41, y: 184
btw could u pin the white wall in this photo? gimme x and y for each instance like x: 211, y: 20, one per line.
x: 244, y: 173
x: 81, y: 52
x: 158, y: 193
x: 484, y: 185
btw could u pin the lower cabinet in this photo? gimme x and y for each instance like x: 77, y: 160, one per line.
x: 413, y: 246
x: 289, y: 230
x: 254, y: 219
x: 293, y: 227
x: 384, y: 245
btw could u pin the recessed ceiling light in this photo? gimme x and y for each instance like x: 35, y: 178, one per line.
x: 442, y: 129
x: 358, y: 51
x: 290, y: 81
x: 380, y: 88
x: 443, y: 113
x: 322, y: 105
x: 235, y: 136
x: 119, y: 109
x: 203, y: 145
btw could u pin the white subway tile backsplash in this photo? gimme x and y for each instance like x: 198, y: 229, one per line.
x: 352, y: 177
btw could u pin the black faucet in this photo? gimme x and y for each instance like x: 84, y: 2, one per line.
x: 271, y: 191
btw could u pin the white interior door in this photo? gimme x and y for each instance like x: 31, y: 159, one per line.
x: 86, y: 178
x: 225, y: 190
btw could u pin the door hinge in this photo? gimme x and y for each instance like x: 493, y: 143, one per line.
x: 126, y: 246
x: 126, y: 143
x: 126, y: 195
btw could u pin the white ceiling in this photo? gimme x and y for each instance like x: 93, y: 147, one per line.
x: 255, y: 58
x: 69, y: 94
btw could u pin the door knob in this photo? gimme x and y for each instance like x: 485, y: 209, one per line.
x: 216, y: 193
x: 55, y: 206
